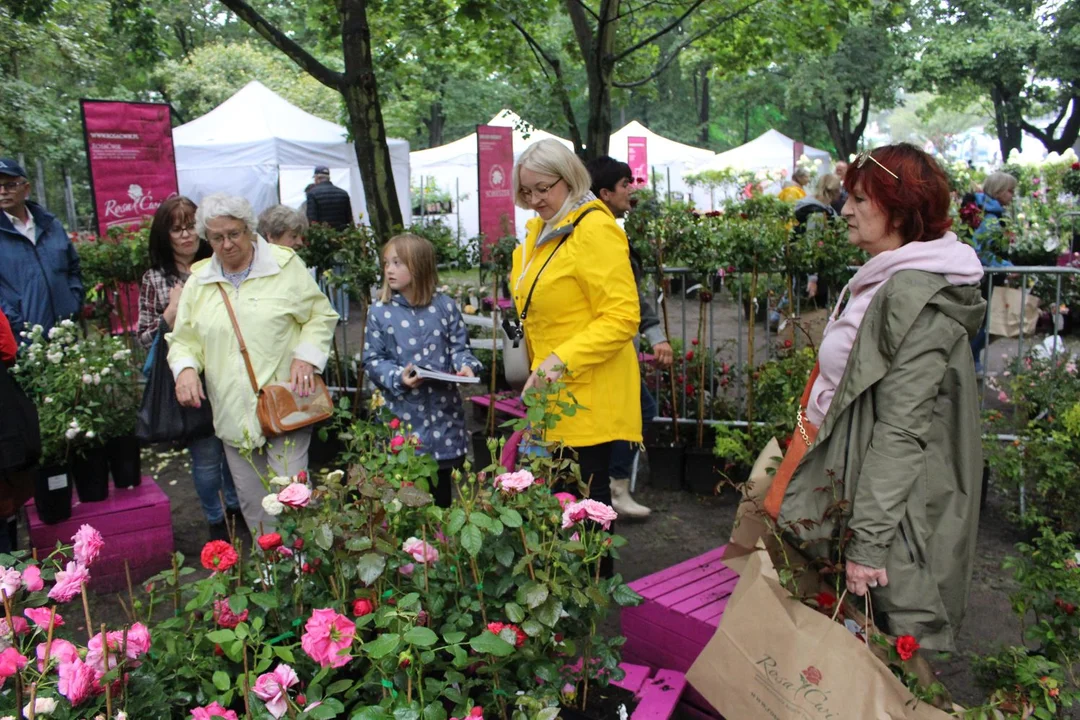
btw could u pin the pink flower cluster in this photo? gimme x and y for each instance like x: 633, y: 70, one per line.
x: 515, y: 481
x: 11, y: 579
x: 69, y: 582
x: 225, y: 617
x: 594, y: 510
x: 211, y: 711
x: 87, y: 544
x: 328, y: 637
x: 421, y: 551
x: 80, y: 679
x: 296, y: 495
x: 477, y: 713
x: 273, y: 689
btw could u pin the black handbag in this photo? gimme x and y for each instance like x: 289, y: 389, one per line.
x: 20, y: 433
x: 161, y: 416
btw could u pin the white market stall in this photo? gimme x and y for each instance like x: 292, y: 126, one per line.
x: 453, y: 169
x: 772, y: 150
x: 258, y: 145
x: 668, y: 159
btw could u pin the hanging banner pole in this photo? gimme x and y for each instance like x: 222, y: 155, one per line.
x: 495, y: 163
x: 637, y: 157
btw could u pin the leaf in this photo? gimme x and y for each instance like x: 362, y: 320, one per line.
x: 412, y: 496
x: 549, y: 612
x: 453, y: 638
x: 514, y: 612
x: 624, y: 595
x: 285, y: 654
x: 535, y: 594
x: 489, y: 643
x: 338, y: 687
x: 421, y: 637
x: 406, y: 714
x: 434, y: 711
x: 456, y: 521
x: 370, y: 567
x: 382, y: 645
x: 324, y: 537
x: 480, y: 520
x: 358, y: 544
x: 511, y: 518
x: 238, y: 603
x: 222, y: 681
x: 265, y: 600
x: 504, y: 554
x: 221, y: 637
x: 327, y: 711
x: 372, y: 712
x: 471, y: 540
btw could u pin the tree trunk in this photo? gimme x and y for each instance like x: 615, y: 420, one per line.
x: 597, y: 51
x: 1009, y: 131
x: 361, y: 94
x: 703, y: 107
x: 435, y: 123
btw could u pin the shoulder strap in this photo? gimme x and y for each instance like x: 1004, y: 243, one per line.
x: 528, y: 299
x: 240, y: 338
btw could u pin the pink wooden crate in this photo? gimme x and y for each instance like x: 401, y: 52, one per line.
x: 657, y: 691
x: 136, y: 524
x: 682, y: 609
x: 509, y: 404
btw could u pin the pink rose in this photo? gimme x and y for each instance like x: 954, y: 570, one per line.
x: 138, y: 640
x: 11, y: 662
x: 21, y: 628
x: 420, y: 550
x: 31, y: 578
x: 77, y: 681
x: 225, y: 617
x: 327, y: 638
x: 588, y: 510
x: 87, y: 545
x: 10, y: 580
x: 272, y: 688
x: 69, y: 582
x: 515, y: 481
x: 396, y: 443
x: 211, y: 711
x: 62, y: 651
x: 564, y: 499
x: 40, y: 617
x: 296, y: 495
x: 407, y: 570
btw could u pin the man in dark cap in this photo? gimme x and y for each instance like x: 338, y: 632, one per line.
x: 40, y: 282
x: 327, y: 203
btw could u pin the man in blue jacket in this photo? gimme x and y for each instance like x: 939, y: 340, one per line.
x: 40, y: 282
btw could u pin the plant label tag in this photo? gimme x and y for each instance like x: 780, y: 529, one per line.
x: 58, y: 482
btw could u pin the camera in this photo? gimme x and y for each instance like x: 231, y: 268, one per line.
x: 512, y: 327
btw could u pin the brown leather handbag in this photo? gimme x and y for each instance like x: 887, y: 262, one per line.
x: 279, y: 409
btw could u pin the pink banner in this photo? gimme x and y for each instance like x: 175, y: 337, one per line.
x: 637, y: 157
x: 495, y: 152
x: 132, y: 163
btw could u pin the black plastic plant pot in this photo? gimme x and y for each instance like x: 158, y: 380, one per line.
x: 699, y: 467
x: 90, y: 471
x: 52, y: 494
x: 665, y: 465
x: 125, y: 461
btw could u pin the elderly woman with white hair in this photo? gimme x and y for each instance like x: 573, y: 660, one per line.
x: 287, y: 325
x: 281, y: 225
x: 575, y: 295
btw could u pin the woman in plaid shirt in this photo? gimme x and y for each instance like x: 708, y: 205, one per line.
x: 174, y: 247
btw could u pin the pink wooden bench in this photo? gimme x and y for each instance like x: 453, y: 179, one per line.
x: 136, y: 524
x: 506, y: 403
x: 657, y: 691
x: 682, y: 609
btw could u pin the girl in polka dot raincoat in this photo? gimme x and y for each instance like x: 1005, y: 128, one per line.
x: 412, y: 326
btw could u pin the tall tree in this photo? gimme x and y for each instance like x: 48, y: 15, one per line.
x: 359, y: 89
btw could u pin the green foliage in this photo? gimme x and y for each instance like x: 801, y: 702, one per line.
x: 348, y: 258
x: 448, y: 251
x: 778, y: 386
x: 122, y: 257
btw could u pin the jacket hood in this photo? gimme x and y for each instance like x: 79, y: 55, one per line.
x: 989, y: 204
x: 962, y: 303
x: 565, y: 226
x: 809, y: 200
x: 269, y: 259
x: 946, y: 256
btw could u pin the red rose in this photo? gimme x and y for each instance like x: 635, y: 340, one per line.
x: 395, y: 424
x: 498, y: 628
x: 270, y: 541
x: 788, y: 343
x: 396, y: 443
x: 298, y: 543
x: 694, y: 341
x: 825, y: 600
x: 362, y: 607
x: 404, y: 659
x: 301, y: 700
x: 906, y: 646
x: 689, y: 389
x: 218, y: 651
x: 690, y: 356
x: 302, y: 476
x: 218, y: 555
x: 1076, y: 166
x: 812, y: 675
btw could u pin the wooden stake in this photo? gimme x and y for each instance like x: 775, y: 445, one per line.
x: 108, y: 685
x: 86, y: 614
x: 33, y: 699
x: 247, y: 705
x: 131, y: 588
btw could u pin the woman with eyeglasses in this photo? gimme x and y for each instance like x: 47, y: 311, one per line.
x: 895, y: 406
x: 571, y: 280
x: 174, y: 248
x: 287, y: 324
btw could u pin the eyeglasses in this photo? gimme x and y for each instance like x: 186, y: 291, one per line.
x: 540, y: 191
x: 181, y: 230
x: 11, y: 186
x: 863, y: 157
x: 232, y: 236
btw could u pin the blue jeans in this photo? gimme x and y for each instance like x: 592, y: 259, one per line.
x: 623, y: 452
x: 211, y: 475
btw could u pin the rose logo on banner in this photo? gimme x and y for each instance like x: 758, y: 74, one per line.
x: 143, y: 204
x: 497, y: 177
x: 135, y: 192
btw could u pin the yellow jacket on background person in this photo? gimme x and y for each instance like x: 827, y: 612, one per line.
x: 282, y: 315
x: 792, y: 193
x: 585, y: 310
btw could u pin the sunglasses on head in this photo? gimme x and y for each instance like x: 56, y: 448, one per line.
x: 861, y: 159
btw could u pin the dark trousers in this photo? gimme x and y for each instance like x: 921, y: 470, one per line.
x: 623, y: 452
x: 594, y: 461
x: 443, y: 490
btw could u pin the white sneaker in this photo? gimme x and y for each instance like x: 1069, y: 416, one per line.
x: 623, y: 502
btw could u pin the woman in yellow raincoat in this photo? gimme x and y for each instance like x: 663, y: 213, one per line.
x: 583, y: 312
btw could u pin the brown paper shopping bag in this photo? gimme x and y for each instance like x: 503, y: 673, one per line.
x: 774, y: 658
x: 1011, y: 307
x: 750, y: 524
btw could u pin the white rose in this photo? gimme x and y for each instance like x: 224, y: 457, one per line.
x: 68, y: 323
x: 87, y: 379
x: 72, y: 433
x: 42, y: 706
x: 121, y: 715
x: 82, y: 361
x: 335, y: 476
x: 48, y: 400
x: 281, y: 480
x: 97, y: 379
x: 89, y: 433
x: 53, y: 332
x: 106, y: 371
x: 271, y: 505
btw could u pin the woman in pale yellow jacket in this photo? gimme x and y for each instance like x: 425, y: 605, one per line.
x: 584, y: 310
x: 287, y: 324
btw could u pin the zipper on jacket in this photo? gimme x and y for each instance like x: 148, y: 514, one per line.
x: 48, y: 285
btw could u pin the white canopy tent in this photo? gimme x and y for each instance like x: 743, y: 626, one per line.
x: 772, y: 150
x: 258, y: 145
x: 453, y: 167
x: 666, y: 157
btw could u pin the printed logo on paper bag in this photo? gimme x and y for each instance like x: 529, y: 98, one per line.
x: 800, y: 695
